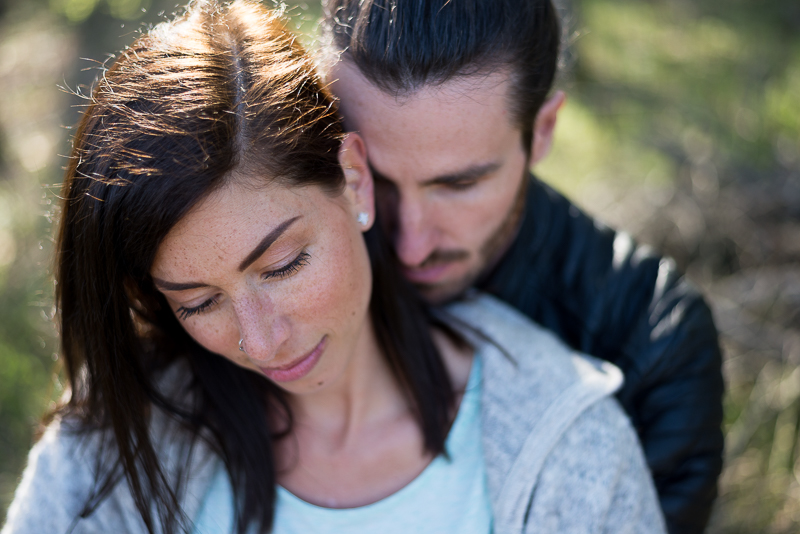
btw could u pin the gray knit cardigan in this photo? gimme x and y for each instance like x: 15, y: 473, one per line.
x: 561, y: 456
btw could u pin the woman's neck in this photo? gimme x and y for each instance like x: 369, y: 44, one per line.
x: 366, y: 391
x: 359, y: 440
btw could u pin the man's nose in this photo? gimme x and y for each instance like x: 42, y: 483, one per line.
x: 262, y: 329
x: 415, y: 232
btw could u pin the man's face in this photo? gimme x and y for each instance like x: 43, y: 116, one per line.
x: 449, y: 168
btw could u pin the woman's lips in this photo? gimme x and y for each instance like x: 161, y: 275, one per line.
x: 297, y: 369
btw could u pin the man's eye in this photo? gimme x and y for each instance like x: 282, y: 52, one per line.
x: 289, y: 269
x: 461, y: 186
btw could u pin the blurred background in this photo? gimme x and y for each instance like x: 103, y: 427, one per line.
x: 682, y: 127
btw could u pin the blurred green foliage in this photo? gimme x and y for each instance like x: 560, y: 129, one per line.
x: 77, y: 11
x: 683, y: 127
x: 691, y: 108
x: 664, y: 88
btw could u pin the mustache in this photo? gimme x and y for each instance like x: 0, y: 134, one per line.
x: 443, y: 256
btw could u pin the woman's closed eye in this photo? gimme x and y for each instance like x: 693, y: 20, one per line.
x: 285, y: 271
x: 184, y: 313
x: 290, y: 268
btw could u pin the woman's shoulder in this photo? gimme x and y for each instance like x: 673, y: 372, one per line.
x: 58, y: 479
x: 67, y: 467
x: 595, y: 479
x: 531, y: 381
x: 552, y: 429
x: 592, y: 478
x: 520, y: 353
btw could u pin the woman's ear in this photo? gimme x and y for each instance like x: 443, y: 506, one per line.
x: 359, y: 187
x: 544, y: 126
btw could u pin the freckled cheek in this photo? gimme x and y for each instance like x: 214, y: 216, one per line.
x: 341, y: 288
x: 217, y: 338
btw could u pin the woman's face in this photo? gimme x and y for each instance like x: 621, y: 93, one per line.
x: 284, y: 269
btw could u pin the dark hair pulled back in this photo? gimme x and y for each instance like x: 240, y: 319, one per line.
x: 403, y: 45
x: 221, y: 88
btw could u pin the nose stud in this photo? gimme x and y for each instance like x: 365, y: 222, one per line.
x: 241, y: 345
x: 363, y: 218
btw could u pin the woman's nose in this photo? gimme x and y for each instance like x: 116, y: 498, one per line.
x: 261, y: 329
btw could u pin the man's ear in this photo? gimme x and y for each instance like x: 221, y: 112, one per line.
x: 544, y: 126
x: 359, y: 187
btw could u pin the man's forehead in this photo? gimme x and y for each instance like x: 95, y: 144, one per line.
x: 481, y: 88
x: 441, y: 132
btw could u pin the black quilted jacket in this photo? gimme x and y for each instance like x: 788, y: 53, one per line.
x: 606, y: 296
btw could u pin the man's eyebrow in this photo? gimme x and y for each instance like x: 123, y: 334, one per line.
x: 262, y: 247
x: 465, y: 175
x: 267, y: 242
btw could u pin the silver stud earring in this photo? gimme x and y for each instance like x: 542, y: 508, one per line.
x: 241, y: 345
x: 363, y: 218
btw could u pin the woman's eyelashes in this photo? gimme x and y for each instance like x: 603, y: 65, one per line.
x: 289, y: 269
x: 282, y: 272
x: 185, y: 313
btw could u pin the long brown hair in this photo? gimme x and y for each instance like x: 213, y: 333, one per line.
x: 220, y: 88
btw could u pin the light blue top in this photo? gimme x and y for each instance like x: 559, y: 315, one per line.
x: 450, y: 495
x: 559, y: 453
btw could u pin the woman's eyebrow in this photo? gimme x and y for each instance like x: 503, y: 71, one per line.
x: 265, y: 243
x: 262, y: 247
x: 164, y: 285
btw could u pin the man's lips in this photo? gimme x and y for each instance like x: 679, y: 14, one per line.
x: 428, y: 275
x: 298, y: 368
